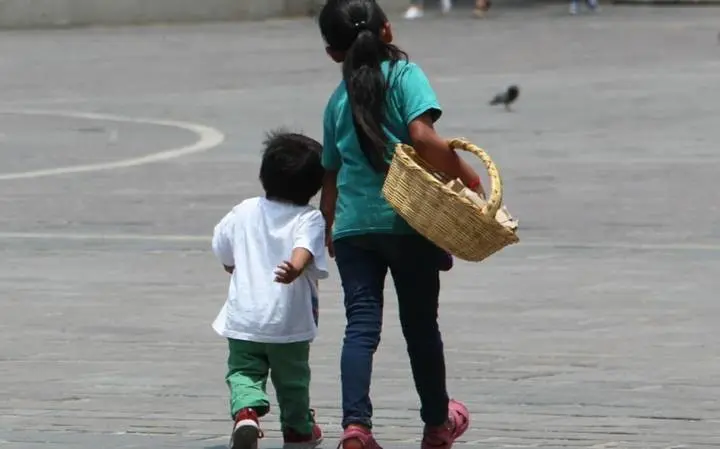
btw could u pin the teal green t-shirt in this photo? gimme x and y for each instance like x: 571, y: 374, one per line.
x: 361, y: 207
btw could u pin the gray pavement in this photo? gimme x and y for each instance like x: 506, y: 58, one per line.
x: 598, y: 331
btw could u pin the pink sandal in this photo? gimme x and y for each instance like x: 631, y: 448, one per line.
x: 443, y: 437
x: 364, y: 437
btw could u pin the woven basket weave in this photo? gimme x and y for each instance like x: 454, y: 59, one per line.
x: 419, y: 194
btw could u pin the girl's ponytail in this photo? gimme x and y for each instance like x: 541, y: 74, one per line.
x: 354, y: 28
x: 367, y: 89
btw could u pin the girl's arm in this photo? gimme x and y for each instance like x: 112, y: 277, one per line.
x: 328, y: 199
x: 435, y: 150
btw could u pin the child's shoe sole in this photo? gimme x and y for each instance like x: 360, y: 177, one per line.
x: 245, y: 437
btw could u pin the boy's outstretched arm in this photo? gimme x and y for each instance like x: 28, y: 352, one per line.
x: 308, y: 251
x: 291, y: 269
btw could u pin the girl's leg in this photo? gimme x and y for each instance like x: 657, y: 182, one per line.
x: 362, y: 272
x: 417, y: 282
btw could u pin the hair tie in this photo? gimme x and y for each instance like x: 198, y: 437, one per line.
x: 360, y: 25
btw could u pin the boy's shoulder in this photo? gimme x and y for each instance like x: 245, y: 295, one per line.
x: 309, y: 213
x: 240, y: 211
x: 287, y: 211
x: 248, y: 203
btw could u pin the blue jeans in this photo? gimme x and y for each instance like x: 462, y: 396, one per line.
x: 363, y: 262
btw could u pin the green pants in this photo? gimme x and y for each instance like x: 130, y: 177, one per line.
x: 287, y: 364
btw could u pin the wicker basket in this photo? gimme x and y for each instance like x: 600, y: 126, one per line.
x: 420, y: 195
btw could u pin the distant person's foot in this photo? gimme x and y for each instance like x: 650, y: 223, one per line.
x: 414, y: 12
x: 573, y: 8
x: 445, y: 6
x: 481, y: 7
x: 593, y: 5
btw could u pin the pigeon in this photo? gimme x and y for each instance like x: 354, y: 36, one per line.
x: 506, y: 98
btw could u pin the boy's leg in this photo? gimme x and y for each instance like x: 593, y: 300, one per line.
x: 362, y: 271
x: 290, y: 374
x: 247, y: 377
x: 417, y: 283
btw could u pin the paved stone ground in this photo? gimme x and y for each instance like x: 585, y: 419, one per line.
x: 598, y: 331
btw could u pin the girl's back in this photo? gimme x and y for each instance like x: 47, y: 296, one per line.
x: 360, y: 206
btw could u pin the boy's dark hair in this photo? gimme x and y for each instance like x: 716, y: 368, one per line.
x: 291, y: 168
x: 353, y: 27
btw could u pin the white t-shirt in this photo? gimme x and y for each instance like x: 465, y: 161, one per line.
x: 255, y: 237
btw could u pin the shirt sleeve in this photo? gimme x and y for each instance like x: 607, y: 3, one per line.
x: 222, y: 242
x: 416, y: 94
x: 310, y: 235
x: 331, y: 155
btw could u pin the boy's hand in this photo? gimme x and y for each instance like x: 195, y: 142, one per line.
x: 285, y: 273
x: 229, y: 269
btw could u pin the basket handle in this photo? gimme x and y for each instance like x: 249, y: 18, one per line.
x: 496, y: 188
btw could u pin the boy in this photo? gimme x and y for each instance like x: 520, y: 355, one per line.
x: 274, y: 249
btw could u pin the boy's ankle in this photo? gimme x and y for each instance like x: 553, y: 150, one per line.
x: 246, y: 414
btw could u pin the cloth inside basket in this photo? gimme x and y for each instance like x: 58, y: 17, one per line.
x: 502, y: 216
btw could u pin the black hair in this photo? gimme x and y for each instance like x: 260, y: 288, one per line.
x: 291, y: 168
x: 353, y: 27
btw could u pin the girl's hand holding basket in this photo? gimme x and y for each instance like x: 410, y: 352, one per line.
x: 447, y: 212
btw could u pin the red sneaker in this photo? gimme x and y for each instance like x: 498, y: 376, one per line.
x: 443, y: 437
x: 296, y: 440
x: 246, y: 431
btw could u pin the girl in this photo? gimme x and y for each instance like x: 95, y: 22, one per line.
x: 382, y: 100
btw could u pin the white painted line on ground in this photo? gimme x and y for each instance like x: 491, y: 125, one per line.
x: 206, y: 238
x: 208, y: 138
